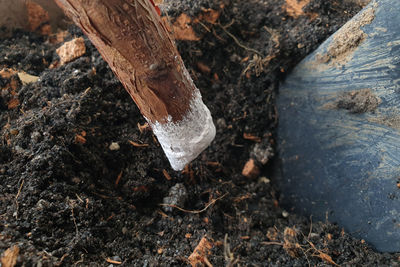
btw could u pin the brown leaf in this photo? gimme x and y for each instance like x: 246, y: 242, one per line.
x: 10, y: 256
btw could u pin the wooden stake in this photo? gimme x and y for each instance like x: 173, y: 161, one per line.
x: 133, y: 39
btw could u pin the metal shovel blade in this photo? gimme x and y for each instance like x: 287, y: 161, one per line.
x: 339, y: 129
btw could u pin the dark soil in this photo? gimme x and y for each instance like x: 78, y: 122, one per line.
x: 72, y: 201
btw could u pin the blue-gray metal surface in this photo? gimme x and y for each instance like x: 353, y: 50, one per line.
x: 339, y: 163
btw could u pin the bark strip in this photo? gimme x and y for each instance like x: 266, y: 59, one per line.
x: 132, y: 38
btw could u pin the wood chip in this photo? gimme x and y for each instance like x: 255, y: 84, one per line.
x: 113, y: 261
x: 200, y: 253
x: 251, y: 137
x: 13, y: 103
x: 137, y: 144
x: 294, y: 8
x: 59, y: 37
x: 143, y: 128
x: 7, y: 73
x: 10, y: 256
x: 71, y: 50
x: 203, y: 68
x: 166, y: 175
x: 118, y: 178
x: 210, y: 15
x: 182, y: 29
x: 79, y: 139
x: 250, y: 169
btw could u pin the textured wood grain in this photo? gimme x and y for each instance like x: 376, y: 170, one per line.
x: 132, y: 38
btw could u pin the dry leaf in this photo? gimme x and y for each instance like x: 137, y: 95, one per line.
x: 200, y: 253
x: 27, y: 78
x: 9, y: 258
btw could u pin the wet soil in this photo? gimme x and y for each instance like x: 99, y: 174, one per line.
x: 71, y: 197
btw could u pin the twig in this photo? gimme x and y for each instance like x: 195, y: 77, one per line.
x: 16, y: 198
x: 72, y: 204
x: 19, y: 190
x: 237, y: 41
x: 80, y: 261
x: 195, y: 211
x: 271, y: 243
x: 228, y: 255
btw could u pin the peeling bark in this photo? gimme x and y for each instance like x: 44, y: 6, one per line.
x: 132, y: 38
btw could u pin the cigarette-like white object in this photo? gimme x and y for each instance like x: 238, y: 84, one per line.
x: 134, y: 41
x: 184, y: 140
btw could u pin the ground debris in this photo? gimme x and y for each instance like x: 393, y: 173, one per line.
x: 347, y: 39
x: 176, y: 197
x: 356, y: 101
x: 26, y: 78
x: 262, y: 152
x: 359, y: 101
x: 200, y: 253
x: 10, y: 256
x: 182, y: 29
x: 291, y: 244
x: 71, y: 50
x: 250, y: 169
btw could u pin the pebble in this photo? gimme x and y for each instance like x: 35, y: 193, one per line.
x: 35, y: 136
x: 177, y: 196
x: 221, y: 123
x: 264, y: 180
x: 114, y: 146
x: 262, y: 153
x: 124, y: 230
x: 285, y: 214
